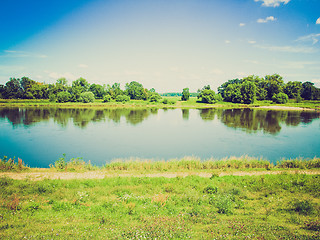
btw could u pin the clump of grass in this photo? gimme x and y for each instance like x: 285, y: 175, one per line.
x: 74, y: 164
x: 10, y: 165
x: 299, y: 163
x: 304, y: 207
x: 189, y: 163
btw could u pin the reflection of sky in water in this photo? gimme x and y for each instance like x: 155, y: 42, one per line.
x: 164, y: 135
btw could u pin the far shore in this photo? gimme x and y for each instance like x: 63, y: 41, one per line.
x: 176, y: 102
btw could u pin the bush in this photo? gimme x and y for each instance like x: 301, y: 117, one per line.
x: 154, y: 97
x: 165, y: 101
x: 280, y: 98
x: 87, y: 97
x: 52, y: 97
x: 224, y: 204
x: 122, y: 98
x: 210, y: 190
x: 303, y: 207
x: 107, y: 98
x: 63, y: 97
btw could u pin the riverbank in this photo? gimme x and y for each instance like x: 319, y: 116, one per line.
x: 173, y: 102
x: 269, y: 206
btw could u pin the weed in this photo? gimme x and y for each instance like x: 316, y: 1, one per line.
x: 304, y: 207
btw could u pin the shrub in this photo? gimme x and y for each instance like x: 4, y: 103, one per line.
x: 165, y: 101
x: 61, y: 163
x: 303, y: 207
x: 52, y: 97
x: 280, y: 98
x: 107, y: 98
x: 210, y: 190
x: 63, y: 97
x: 87, y: 97
x: 224, y: 204
x: 122, y: 98
x: 154, y: 97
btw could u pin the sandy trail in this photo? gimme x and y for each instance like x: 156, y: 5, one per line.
x: 37, y: 176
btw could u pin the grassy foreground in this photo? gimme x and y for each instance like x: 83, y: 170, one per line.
x: 173, y: 102
x: 279, y: 206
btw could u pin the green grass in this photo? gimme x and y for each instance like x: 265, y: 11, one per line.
x: 176, y: 103
x: 250, y: 207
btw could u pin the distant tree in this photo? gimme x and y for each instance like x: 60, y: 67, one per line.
x: 275, y: 85
x: 280, y: 98
x: 232, y: 93
x: 63, y: 97
x: 309, y: 91
x: 207, y: 96
x: 223, y: 86
x: 122, y: 98
x: 114, y: 90
x: 136, y: 91
x: 87, y: 97
x: 13, y: 89
x: 248, y: 92
x: 107, y: 98
x: 98, y: 90
x: 293, y: 89
x: 185, y: 94
x: 154, y: 97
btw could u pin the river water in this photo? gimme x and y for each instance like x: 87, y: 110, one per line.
x: 39, y: 136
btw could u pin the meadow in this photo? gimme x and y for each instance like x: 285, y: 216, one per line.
x: 269, y: 206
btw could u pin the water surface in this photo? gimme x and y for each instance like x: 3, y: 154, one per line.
x: 41, y: 135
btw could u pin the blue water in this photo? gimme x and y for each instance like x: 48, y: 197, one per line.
x: 39, y: 136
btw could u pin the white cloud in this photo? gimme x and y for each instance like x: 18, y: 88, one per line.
x: 227, y: 41
x: 272, y: 3
x: 82, y: 65
x: 216, y: 71
x: 289, y: 49
x: 267, y: 19
x: 311, y: 37
x: 251, y: 41
x: 55, y: 75
x: 242, y: 24
x: 318, y: 21
x: 22, y: 54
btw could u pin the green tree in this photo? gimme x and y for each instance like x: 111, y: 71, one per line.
x: 232, y: 93
x: 309, y: 91
x: 293, y: 89
x: 275, y: 85
x: 87, y: 97
x: 223, y: 87
x: 154, y: 97
x: 248, y: 92
x: 136, y: 91
x: 207, y: 96
x: 63, y: 97
x: 185, y: 94
x: 13, y: 89
x: 98, y: 90
x: 280, y: 98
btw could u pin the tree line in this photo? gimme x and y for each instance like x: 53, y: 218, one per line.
x: 251, y: 88
x: 79, y: 91
x: 246, y: 91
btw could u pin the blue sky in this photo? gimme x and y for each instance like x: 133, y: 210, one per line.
x: 165, y: 44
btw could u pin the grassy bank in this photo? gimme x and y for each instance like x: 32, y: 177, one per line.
x: 173, y: 102
x: 250, y: 207
x: 185, y: 164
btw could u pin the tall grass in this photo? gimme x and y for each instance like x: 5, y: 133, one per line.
x: 8, y: 165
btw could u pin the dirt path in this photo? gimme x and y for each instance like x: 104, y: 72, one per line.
x: 37, y: 176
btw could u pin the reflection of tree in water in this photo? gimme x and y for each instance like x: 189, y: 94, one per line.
x: 185, y: 114
x: 253, y: 120
x: 80, y: 117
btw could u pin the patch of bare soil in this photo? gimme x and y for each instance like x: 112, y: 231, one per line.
x: 36, y: 176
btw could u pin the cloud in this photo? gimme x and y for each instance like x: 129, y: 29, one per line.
x: 251, y: 41
x: 311, y: 37
x: 227, y: 41
x: 289, y: 49
x: 318, y: 21
x: 242, y: 24
x: 82, y: 65
x: 22, y: 54
x: 272, y: 3
x: 55, y: 75
x: 267, y: 19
